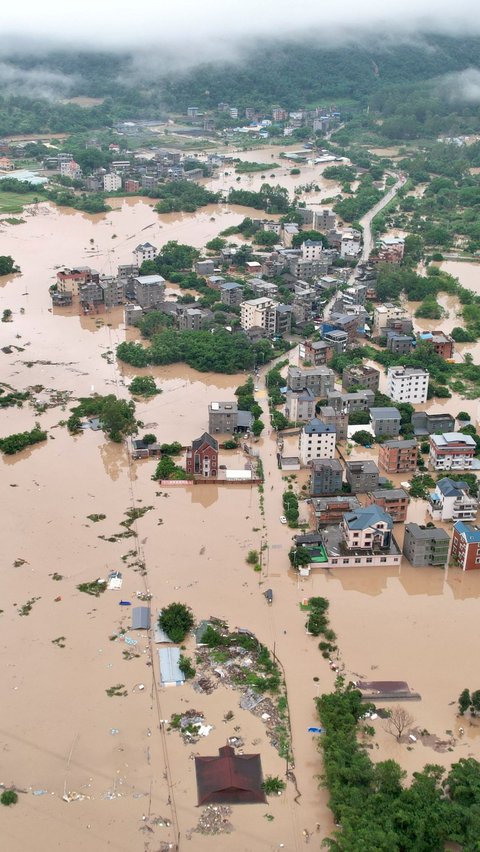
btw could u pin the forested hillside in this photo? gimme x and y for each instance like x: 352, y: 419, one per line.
x: 394, y: 81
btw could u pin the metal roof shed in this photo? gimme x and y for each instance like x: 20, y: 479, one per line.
x: 141, y: 618
x: 170, y: 674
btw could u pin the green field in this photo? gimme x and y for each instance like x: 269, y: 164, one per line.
x: 12, y: 202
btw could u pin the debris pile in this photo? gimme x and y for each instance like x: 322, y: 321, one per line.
x: 214, y: 819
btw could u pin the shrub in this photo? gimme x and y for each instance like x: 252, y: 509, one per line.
x: 273, y: 785
x: 9, y: 797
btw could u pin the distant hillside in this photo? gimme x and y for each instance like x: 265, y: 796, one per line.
x: 290, y: 75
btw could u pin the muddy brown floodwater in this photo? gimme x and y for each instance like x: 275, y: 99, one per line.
x: 132, y: 782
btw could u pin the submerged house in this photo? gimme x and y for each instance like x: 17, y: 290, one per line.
x: 202, y: 457
x: 170, y: 673
x: 229, y: 778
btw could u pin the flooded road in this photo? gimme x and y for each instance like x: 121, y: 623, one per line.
x: 62, y: 733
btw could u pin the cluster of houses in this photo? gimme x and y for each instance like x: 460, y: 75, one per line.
x: 259, y: 124
x: 132, y: 173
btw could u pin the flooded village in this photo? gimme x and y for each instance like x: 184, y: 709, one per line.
x: 107, y: 752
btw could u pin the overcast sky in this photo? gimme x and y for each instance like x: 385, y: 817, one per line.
x: 122, y: 24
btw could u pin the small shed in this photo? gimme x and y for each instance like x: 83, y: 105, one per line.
x: 140, y: 618
x: 229, y: 778
x: 200, y: 631
x: 170, y: 674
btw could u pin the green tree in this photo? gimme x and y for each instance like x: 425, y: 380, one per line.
x: 143, y: 386
x: 464, y: 701
x: 363, y: 437
x: 9, y: 797
x: 299, y: 556
x: 257, y: 427
x: 176, y: 620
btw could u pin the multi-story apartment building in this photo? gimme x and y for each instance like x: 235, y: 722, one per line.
x: 424, y: 546
x: 350, y: 402
x: 338, y: 419
x: 222, y: 417
x: 466, y: 546
x: 407, y: 384
x: 320, y: 380
x: 144, y: 251
x: 442, y: 343
x: 385, y: 421
x: 382, y: 314
x: 317, y: 441
x: 451, y: 501
x: 317, y: 352
x: 394, y: 501
x: 362, y: 476
x: 399, y: 344
x: 70, y: 280
x: 365, y: 377
x: 148, y: 290
x: 426, y: 424
x: 363, y: 539
x: 231, y: 293
x: 112, y: 182
x: 300, y: 405
x: 326, y: 477
x: 451, y: 451
x: 258, y: 313
x: 398, y: 456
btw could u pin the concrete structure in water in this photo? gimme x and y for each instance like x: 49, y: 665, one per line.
x: 365, y: 377
x: 320, y: 380
x: 300, y: 405
x: 363, y: 539
x: 362, y: 476
x: 385, y: 421
x: 350, y: 402
x: 426, y: 424
x: 424, y: 546
x: 149, y: 290
x: 202, y: 457
x: 452, y: 451
x: 407, y: 384
x: 225, y: 418
x: 326, y: 477
x: 466, y: 546
x: 338, y: 419
x: 144, y: 251
x: 317, y: 441
x: 451, y: 501
x: 398, y: 456
x: 394, y: 501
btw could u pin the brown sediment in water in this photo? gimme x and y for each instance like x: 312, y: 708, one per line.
x: 401, y: 623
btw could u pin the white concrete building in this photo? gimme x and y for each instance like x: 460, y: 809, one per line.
x: 383, y: 313
x: 407, y: 384
x: 350, y: 245
x: 70, y: 169
x: 112, y: 182
x: 317, y: 441
x: 451, y: 451
x: 258, y: 313
x: 312, y: 250
x: 451, y: 501
x: 145, y: 251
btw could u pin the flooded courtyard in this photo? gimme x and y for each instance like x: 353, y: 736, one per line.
x: 130, y: 781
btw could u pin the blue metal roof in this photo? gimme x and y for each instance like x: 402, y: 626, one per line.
x: 470, y: 534
x: 170, y: 673
x: 366, y: 517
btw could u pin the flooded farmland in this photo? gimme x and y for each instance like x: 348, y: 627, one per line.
x: 129, y: 782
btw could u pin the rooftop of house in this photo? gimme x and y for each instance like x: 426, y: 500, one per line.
x: 333, y: 464
x: 386, y: 413
x: 261, y: 302
x: 205, y: 439
x: 442, y: 441
x: 390, y: 494
x: 304, y: 395
x: 426, y: 533
x: 321, y: 370
x: 321, y: 504
x: 367, y: 517
x: 407, y: 371
x: 230, y: 285
x: 317, y: 427
x: 470, y: 533
x: 400, y: 444
x: 451, y: 487
x: 145, y: 247
x: 149, y: 279
x: 363, y: 466
x: 334, y: 543
x: 223, y: 407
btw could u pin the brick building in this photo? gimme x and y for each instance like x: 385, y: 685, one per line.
x: 202, y: 457
x: 392, y: 500
x: 466, y: 546
x: 398, y: 456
